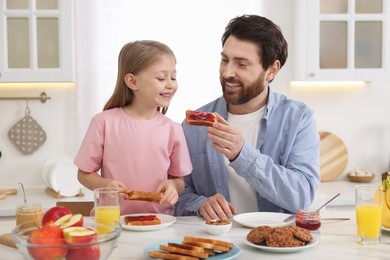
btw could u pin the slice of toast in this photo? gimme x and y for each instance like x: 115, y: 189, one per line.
x: 178, y: 250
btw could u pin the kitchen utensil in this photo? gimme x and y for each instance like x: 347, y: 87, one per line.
x: 21, y: 187
x: 6, y: 239
x: 323, y: 205
x: 335, y: 219
x: 5, y: 193
x: 333, y: 156
x: 27, y: 135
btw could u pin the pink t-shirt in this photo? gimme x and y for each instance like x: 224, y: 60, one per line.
x: 140, y: 153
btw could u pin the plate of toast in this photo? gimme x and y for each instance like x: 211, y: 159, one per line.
x: 195, y: 247
x: 146, y: 221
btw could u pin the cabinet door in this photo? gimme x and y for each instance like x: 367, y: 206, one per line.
x: 36, y: 41
x: 344, y: 40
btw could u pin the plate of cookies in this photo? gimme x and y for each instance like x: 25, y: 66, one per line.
x: 146, y: 221
x: 255, y: 219
x: 280, y: 239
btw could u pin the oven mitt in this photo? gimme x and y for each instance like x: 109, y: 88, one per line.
x: 27, y: 135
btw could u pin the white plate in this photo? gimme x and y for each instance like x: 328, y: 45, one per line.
x: 232, y: 254
x: 60, y: 174
x: 166, y: 221
x: 386, y: 229
x: 255, y: 219
x: 283, y: 249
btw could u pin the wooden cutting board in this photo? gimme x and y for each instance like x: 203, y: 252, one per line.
x: 333, y: 156
x: 7, y: 240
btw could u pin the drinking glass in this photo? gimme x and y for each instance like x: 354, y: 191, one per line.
x: 106, y: 208
x: 368, y: 213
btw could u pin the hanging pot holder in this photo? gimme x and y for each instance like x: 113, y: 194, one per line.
x: 27, y: 135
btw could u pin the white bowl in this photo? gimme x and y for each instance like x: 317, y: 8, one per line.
x: 216, y: 228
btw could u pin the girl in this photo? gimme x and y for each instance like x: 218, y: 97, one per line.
x: 133, y: 144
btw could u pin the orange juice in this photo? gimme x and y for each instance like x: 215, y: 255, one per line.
x: 368, y: 218
x: 106, y: 215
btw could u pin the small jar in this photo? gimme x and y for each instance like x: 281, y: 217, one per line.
x: 309, y: 219
x: 29, y: 215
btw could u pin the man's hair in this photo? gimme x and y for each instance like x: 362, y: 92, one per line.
x: 264, y: 33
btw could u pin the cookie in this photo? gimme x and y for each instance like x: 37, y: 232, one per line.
x: 301, y: 234
x: 258, y: 235
x: 282, y: 237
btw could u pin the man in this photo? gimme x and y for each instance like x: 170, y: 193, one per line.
x: 263, y: 153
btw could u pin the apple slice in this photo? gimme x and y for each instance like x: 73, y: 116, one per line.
x: 79, y: 235
x: 70, y: 221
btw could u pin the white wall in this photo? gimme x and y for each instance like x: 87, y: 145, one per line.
x: 193, y: 30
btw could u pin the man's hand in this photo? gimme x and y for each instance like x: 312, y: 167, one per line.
x: 217, y: 207
x: 225, y: 138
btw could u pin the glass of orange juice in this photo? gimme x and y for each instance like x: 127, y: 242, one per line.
x: 368, y: 213
x: 106, y: 208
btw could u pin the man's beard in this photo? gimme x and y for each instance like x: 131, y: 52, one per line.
x: 244, y: 94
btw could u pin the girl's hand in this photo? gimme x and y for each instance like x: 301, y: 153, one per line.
x: 120, y: 186
x: 168, y: 188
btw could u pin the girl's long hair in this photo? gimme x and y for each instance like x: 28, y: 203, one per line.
x: 134, y: 57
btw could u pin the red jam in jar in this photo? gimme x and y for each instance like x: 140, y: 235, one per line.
x: 309, y: 219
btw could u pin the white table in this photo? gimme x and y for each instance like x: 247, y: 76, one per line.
x: 337, y: 240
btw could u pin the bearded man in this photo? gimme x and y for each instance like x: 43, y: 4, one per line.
x: 262, y: 154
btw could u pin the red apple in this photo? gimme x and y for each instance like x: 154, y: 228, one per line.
x: 54, y: 213
x: 79, y: 235
x: 50, y: 236
x: 84, y: 253
x: 70, y: 220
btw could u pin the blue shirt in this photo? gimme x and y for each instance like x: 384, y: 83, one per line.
x: 283, y: 168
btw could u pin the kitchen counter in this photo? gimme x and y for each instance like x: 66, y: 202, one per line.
x: 9, y: 204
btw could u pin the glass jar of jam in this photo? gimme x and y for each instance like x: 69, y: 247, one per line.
x: 309, y: 219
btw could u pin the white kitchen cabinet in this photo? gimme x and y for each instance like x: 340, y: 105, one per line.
x: 342, y: 40
x: 36, y: 41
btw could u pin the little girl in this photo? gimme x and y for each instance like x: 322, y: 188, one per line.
x: 133, y: 144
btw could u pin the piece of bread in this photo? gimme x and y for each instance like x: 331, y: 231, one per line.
x: 170, y: 256
x: 144, y: 195
x: 183, y: 251
x: 217, y: 243
x: 188, y: 247
x: 200, y: 118
x: 142, y: 220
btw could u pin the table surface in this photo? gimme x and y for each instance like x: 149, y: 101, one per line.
x: 337, y: 240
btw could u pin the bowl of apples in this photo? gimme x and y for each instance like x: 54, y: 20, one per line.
x: 67, y: 236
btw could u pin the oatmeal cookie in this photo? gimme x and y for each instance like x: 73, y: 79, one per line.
x: 301, y: 234
x: 282, y: 237
x: 258, y: 235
